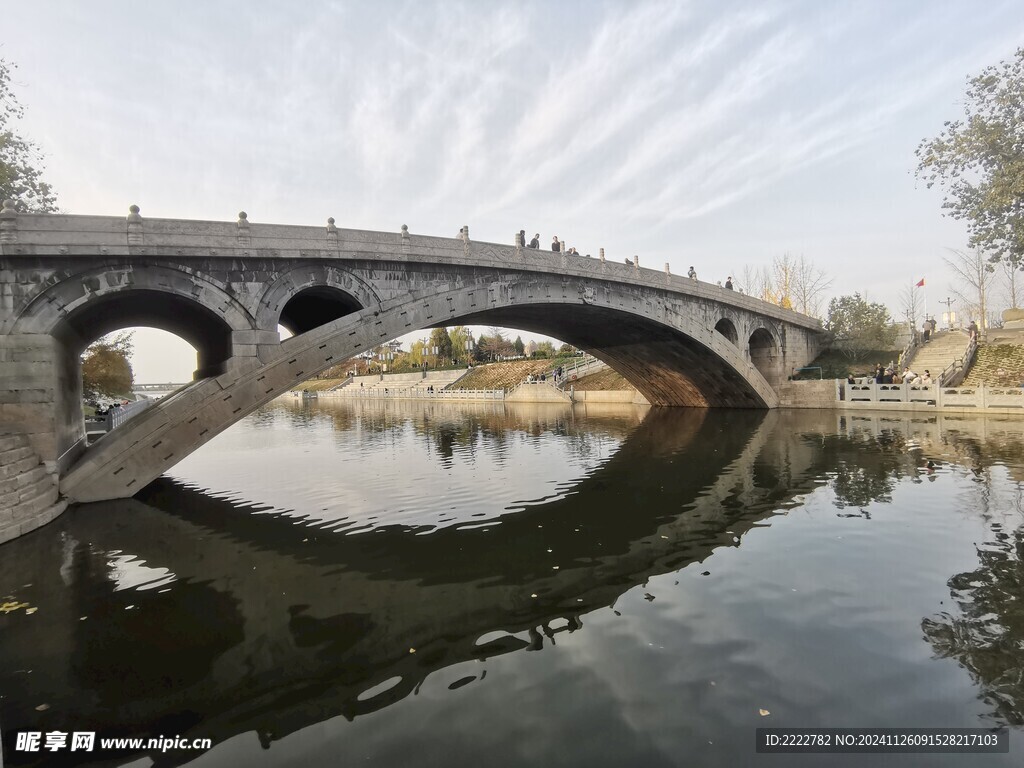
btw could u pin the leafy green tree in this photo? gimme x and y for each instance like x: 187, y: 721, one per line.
x: 566, y: 350
x: 859, y: 326
x: 545, y: 349
x: 106, y: 366
x: 980, y: 161
x: 519, y: 346
x: 20, y: 160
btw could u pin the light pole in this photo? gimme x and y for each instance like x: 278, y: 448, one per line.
x: 950, y: 315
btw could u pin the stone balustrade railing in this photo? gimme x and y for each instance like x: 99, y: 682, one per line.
x: 417, y: 393
x: 929, y: 395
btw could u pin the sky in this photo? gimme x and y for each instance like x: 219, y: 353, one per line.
x: 712, y: 134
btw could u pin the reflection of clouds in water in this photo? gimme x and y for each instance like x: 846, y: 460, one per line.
x: 356, y: 466
x: 129, y: 572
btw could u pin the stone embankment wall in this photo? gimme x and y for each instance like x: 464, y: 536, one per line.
x: 807, y: 394
x: 627, y: 396
x: 28, y: 490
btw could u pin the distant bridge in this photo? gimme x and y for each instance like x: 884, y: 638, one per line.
x: 226, y: 286
x: 157, y: 390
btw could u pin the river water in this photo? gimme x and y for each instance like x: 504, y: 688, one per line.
x: 437, y: 584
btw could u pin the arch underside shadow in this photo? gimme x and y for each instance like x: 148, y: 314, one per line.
x: 312, y: 307
x: 666, y: 366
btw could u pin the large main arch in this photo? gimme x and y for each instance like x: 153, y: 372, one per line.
x: 677, y: 362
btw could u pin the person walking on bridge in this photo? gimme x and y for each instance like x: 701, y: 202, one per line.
x: 555, y: 245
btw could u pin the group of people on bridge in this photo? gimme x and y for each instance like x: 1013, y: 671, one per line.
x: 557, y: 246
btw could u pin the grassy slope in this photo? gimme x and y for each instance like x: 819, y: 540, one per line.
x: 998, y: 365
x: 602, y: 381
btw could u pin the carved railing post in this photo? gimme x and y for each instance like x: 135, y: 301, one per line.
x: 405, y: 237
x: 332, y: 232
x: 668, y: 273
x: 8, y: 223
x: 244, y: 239
x: 134, y: 226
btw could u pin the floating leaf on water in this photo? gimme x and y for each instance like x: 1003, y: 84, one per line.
x: 42, y: 707
x: 764, y: 712
x: 412, y: 650
x: 13, y: 606
x: 648, y: 596
x: 30, y: 611
x: 706, y: 573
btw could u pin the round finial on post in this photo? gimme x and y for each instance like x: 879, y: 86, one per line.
x: 243, y: 229
x: 135, y: 233
x: 8, y: 222
x: 405, y: 229
x: 330, y: 222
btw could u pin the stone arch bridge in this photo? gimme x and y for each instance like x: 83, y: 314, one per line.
x: 226, y: 286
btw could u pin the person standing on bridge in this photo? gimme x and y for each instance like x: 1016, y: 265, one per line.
x: 555, y: 245
x: 692, y: 274
x: 535, y: 243
x: 728, y: 283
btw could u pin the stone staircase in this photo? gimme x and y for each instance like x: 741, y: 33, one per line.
x: 944, y: 348
x: 28, y: 491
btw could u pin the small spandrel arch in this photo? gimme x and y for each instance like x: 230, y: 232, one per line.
x: 727, y: 328
x: 315, y: 306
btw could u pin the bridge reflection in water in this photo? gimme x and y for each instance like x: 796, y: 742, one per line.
x: 177, y: 612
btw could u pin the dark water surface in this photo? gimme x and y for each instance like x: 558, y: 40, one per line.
x: 395, y: 584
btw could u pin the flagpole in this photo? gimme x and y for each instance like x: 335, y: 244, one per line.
x: 925, y: 287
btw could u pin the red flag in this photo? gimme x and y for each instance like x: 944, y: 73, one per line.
x: 920, y: 284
